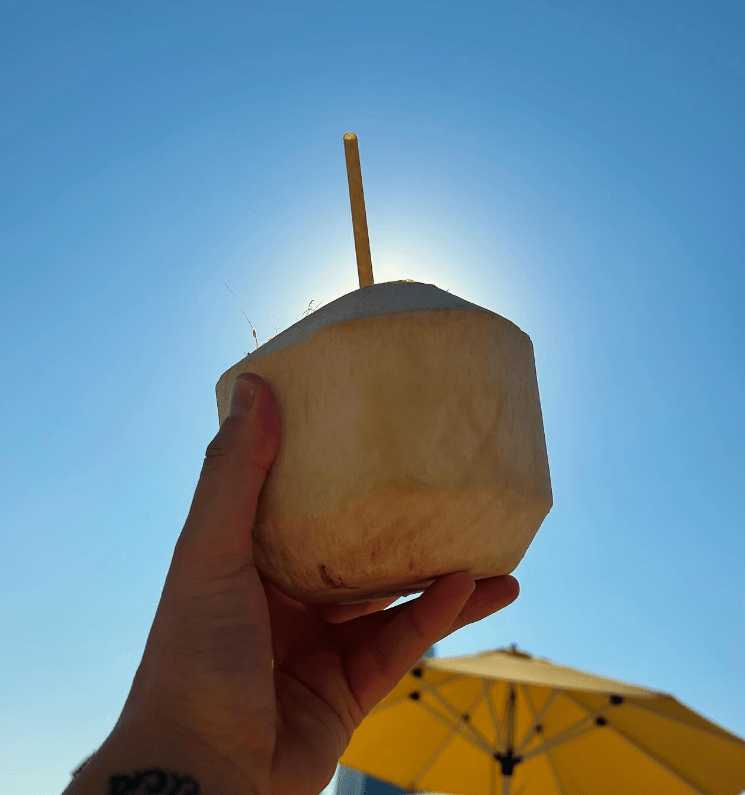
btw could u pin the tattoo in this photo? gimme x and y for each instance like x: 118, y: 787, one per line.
x: 150, y: 782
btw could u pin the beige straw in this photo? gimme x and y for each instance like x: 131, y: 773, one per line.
x: 359, y: 218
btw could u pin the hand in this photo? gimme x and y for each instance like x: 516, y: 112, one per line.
x: 271, y: 686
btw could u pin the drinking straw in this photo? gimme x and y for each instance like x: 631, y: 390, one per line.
x: 359, y: 218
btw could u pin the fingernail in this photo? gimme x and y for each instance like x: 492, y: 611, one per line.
x: 242, y: 396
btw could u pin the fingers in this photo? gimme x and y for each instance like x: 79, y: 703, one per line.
x: 376, y: 667
x: 337, y: 614
x: 455, y: 607
x: 491, y: 594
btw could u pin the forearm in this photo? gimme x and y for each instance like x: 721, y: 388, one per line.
x: 139, y: 761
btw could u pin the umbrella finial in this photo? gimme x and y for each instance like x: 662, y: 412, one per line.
x: 514, y: 651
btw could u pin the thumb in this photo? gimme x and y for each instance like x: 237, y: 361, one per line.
x: 218, y: 529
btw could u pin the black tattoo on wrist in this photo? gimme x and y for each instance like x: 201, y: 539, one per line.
x: 153, y: 782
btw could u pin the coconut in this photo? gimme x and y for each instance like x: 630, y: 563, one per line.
x: 411, y: 439
x: 412, y: 445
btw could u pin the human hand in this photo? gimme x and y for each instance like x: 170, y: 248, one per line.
x: 270, y: 686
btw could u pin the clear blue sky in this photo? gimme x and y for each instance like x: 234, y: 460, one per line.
x: 577, y: 167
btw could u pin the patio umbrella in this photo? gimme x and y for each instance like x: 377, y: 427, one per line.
x: 505, y: 723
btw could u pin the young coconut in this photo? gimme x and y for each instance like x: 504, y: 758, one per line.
x: 412, y: 440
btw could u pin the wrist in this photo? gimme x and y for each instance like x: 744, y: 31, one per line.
x: 139, y: 759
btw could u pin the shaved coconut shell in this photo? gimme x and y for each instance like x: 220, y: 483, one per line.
x: 412, y: 445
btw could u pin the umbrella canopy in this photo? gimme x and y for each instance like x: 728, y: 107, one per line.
x: 505, y: 723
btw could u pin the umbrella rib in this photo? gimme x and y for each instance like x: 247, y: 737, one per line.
x: 428, y: 764
x: 536, y: 720
x: 572, y: 733
x: 486, y: 688
x: 484, y: 742
x: 385, y: 705
x: 455, y: 729
x: 713, y: 730
x: 643, y: 748
x: 471, y: 734
x: 505, y: 716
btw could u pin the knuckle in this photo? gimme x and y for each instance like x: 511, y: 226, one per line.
x: 418, y: 628
x: 225, y: 440
x: 381, y: 659
x: 216, y: 449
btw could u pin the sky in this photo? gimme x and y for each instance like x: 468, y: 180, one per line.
x: 166, y: 167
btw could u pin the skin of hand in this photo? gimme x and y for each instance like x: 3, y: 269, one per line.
x: 270, y: 686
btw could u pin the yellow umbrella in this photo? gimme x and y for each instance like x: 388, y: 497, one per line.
x: 505, y: 723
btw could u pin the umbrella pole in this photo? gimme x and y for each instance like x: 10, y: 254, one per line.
x: 507, y: 771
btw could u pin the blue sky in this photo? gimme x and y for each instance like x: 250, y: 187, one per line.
x: 577, y: 167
